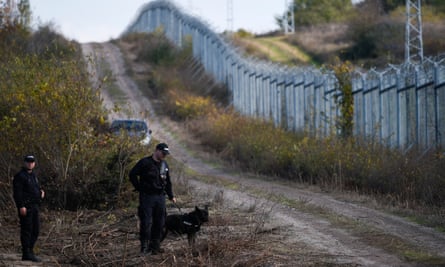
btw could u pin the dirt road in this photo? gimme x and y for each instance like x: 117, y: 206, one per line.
x: 319, y: 233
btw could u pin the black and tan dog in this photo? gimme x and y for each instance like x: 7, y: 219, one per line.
x: 187, y: 223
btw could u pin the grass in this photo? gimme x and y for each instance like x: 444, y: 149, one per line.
x: 283, y: 51
x: 274, y: 49
x: 364, y: 232
x: 428, y: 217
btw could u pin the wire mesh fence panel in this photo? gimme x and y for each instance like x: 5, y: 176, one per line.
x: 401, y: 106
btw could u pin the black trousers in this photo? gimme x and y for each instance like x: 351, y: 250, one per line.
x: 29, y: 227
x: 151, y: 213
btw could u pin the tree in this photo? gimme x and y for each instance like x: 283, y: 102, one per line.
x: 47, y: 108
x: 389, y: 5
x: 309, y: 12
x: 15, y: 21
x: 15, y: 13
x: 24, y: 17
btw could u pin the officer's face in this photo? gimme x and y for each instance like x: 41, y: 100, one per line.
x: 159, y: 154
x: 30, y: 165
x: 162, y: 154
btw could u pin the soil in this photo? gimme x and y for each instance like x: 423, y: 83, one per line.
x: 269, y: 222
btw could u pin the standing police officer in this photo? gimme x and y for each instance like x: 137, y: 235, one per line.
x: 150, y: 176
x: 27, y: 197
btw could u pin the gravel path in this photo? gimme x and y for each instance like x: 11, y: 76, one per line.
x: 314, y: 231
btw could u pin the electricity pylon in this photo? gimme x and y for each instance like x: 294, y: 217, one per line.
x: 413, y: 34
x: 229, y: 15
x: 288, y: 21
x: 8, y: 11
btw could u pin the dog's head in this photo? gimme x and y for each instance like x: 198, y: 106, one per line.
x: 202, y: 214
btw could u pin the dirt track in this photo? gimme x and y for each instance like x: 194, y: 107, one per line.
x: 316, y: 232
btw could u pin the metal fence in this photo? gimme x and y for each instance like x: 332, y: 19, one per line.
x: 401, y: 106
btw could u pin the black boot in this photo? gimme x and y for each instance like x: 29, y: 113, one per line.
x: 144, y: 247
x: 155, y: 247
x: 28, y: 255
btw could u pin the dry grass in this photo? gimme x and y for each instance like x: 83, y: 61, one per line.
x: 309, y: 45
x: 356, y: 165
x: 274, y: 49
x: 110, y: 238
x: 322, y: 39
x: 322, y: 42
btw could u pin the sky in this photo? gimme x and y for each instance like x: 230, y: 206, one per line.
x: 102, y: 20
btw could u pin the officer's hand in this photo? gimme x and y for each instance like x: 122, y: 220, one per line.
x: 22, y: 211
x: 173, y: 200
x: 42, y: 194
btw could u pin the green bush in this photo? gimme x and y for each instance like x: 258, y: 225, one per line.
x: 376, y: 42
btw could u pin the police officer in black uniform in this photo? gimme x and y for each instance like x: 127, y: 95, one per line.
x: 150, y: 176
x: 27, y: 197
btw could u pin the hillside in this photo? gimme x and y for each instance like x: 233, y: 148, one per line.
x: 275, y: 49
x: 314, y: 45
x: 365, y: 44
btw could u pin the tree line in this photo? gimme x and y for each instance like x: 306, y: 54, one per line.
x: 49, y: 108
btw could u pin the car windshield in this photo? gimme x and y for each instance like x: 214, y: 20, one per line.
x: 129, y: 125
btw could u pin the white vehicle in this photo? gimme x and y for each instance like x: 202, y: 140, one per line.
x: 133, y: 127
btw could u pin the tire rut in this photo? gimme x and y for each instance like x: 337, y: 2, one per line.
x: 309, y: 229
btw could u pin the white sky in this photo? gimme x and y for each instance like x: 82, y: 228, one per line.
x: 101, y: 20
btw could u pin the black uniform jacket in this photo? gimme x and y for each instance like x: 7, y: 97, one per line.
x: 26, y: 189
x: 146, y: 177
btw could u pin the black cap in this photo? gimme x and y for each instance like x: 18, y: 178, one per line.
x: 163, y: 147
x: 29, y: 158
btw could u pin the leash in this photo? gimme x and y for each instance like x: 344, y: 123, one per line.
x: 176, y: 205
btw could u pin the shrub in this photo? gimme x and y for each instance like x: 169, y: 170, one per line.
x: 49, y: 109
x: 190, y: 107
x: 47, y: 43
x: 241, y: 33
x: 345, y: 101
x: 347, y: 163
x: 152, y: 47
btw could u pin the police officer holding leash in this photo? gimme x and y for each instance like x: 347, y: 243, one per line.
x: 151, y: 178
x: 27, y: 197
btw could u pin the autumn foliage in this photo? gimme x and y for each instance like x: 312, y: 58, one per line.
x: 48, y: 108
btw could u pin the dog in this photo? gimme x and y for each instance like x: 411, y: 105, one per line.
x: 187, y: 223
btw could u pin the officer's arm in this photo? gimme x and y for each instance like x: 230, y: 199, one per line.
x: 134, y: 173
x: 18, y: 191
x: 168, y: 188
